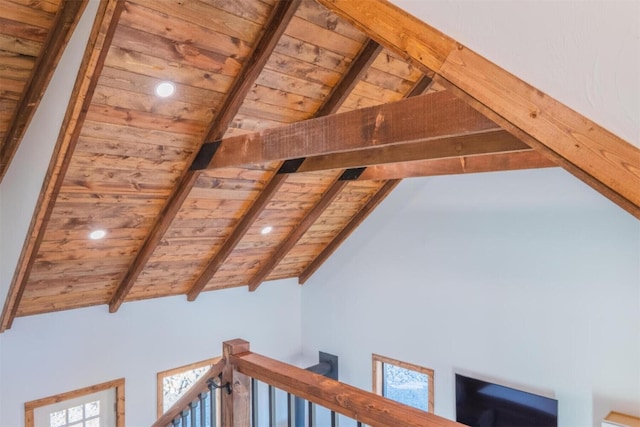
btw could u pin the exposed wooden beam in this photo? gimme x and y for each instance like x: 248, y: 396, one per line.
x: 418, y: 89
x: 238, y: 233
x: 58, y: 36
x: 296, y: 234
x: 495, y: 162
x: 590, y: 151
x: 424, y: 117
x: 355, y: 221
x: 333, y: 102
x: 490, y: 142
x: 615, y: 197
x: 360, y: 64
x: 280, y: 17
x: 97, y: 47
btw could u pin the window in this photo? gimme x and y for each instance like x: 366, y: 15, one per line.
x: 403, y: 382
x: 173, y: 383
x: 101, y: 405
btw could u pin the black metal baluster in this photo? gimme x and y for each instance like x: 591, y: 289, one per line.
x: 254, y: 402
x: 312, y: 414
x: 291, y: 410
x: 185, y: 418
x: 334, y: 419
x: 359, y: 424
x: 213, y: 401
x: 176, y: 422
x: 203, y: 409
x: 272, y: 406
x: 194, y: 415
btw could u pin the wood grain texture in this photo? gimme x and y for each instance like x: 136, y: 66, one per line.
x: 357, y: 404
x: 418, y: 118
x: 296, y: 234
x: 40, y: 73
x: 529, y: 159
x: 590, y: 151
x: 355, y: 221
x: 280, y: 17
x: 93, y: 60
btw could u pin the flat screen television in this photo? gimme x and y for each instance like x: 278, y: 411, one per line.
x: 484, y: 404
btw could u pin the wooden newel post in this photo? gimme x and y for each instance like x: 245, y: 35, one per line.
x: 236, y: 406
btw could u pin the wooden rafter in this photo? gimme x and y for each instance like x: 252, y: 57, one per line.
x: 236, y: 236
x: 593, y: 154
x: 58, y: 36
x: 355, y: 72
x: 418, y: 89
x: 101, y: 35
x: 355, y: 221
x: 296, y: 234
x: 421, y: 118
x: 343, y: 89
x: 280, y: 17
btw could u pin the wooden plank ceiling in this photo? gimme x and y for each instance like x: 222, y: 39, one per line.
x: 184, y: 186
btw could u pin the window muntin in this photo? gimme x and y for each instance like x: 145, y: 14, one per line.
x: 100, y: 405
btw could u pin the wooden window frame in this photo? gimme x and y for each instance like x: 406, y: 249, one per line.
x: 378, y: 361
x: 161, y: 375
x: 118, y: 385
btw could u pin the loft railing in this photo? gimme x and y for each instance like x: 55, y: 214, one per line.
x: 236, y: 381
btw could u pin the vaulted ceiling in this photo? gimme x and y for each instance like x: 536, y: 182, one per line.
x: 300, y: 116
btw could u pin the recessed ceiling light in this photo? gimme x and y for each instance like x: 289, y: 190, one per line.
x: 165, y: 89
x: 268, y: 229
x: 97, y: 234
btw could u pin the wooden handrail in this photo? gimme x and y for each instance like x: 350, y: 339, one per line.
x: 191, y: 395
x: 360, y: 405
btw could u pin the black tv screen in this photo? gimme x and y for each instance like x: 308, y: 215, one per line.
x: 484, y: 404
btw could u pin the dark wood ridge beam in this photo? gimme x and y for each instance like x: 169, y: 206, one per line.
x: 419, y: 88
x: 421, y: 118
x: 310, y: 218
x: 280, y: 17
x: 355, y: 72
x: 58, y: 36
x: 100, y: 38
x: 601, y: 159
x: 355, y: 221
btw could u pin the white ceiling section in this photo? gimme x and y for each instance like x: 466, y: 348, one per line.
x: 585, y: 54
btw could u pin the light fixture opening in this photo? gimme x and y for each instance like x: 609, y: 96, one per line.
x: 266, y: 230
x: 165, y: 89
x: 97, y: 234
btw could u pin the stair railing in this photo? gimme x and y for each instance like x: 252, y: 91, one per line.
x: 241, y: 372
x: 199, y: 405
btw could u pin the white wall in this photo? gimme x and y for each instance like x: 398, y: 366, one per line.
x: 585, y: 54
x: 527, y: 278
x: 53, y: 353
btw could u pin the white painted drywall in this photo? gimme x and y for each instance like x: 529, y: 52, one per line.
x: 528, y: 278
x: 585, y: 54
x: 53, y: 353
